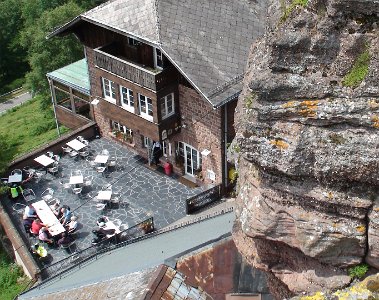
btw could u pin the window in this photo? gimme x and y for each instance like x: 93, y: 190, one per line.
x: 147, y: 142
x: 127, y: 99
x: 166, y: 149
x: 158, y: 58
x: 133, y: 42
x: 109, y: 90
x: 146, y: 107
x: 122, y: 132
x: 167, y: 105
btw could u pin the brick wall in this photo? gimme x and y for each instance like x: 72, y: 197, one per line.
x: 202, y: 131
x: 69, y: 119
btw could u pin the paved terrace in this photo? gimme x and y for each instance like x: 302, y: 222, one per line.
x: 144, y: 193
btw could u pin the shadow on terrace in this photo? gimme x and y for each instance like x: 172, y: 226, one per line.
x: 138, y: 194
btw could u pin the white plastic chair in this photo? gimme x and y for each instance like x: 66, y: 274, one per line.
x: 53, y: 170
x: 47, y: 194
x: 88, y: 181
x: 66, y: 149
x: 49, y: 154
x: 16, y: 171
x: 73, y: 154
x: 19, y: 208
x: 77, y: 190
x: 56, y: 157
x: 28, y: 195
x: 104, y: 152
x: 100, y: 206
x: 84, y: 154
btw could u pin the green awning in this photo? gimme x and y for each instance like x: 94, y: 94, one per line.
x: 74, y: 75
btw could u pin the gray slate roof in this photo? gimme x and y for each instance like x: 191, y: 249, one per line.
x: 207, y: 40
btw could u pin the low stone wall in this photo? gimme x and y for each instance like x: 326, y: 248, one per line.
x: 88, y: 131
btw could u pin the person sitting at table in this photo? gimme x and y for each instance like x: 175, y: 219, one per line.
x: 66, y: 215
x: 72, y: 225
x: 30, y: 212
x: 44, y: 236
x: 36, y: 226
x: 65, y: 239
x: 55, y: 209
x: 27, y: 223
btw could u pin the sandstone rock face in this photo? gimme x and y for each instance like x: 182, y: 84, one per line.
x: 307, y: 147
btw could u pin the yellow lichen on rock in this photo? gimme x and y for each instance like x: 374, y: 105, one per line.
x: 317, y: 296
x: 308, y: 108
x: 279, y: 144
x: 375, y: 121
x: 289, y: 104
x: 373, y: 104
x: 361, y: 228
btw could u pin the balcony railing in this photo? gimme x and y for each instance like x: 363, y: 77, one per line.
x: 151, y: 79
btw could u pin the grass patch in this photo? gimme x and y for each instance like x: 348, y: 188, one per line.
x: 359, y: 70
x: 358, y: 271
x: 288, y: 10
x: 12, y: 279
x: 26, y: 127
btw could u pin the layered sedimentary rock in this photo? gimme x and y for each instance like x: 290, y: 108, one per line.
x: 307, y: 147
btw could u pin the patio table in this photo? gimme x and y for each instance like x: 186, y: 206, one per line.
x: 76, y: 145
x: 48, y: 218
x: 104, y: 195
x: 101, y: 159
x: 110, y: 225
x: 78, y: 179
x: 44, y: 160
x: 16, y: 178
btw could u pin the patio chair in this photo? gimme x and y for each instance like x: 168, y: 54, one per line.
x: 16, y: 171
x: 53, y: 170
x: 53, y: 202
x: 101, y: 170
x: 80, y: 138
x: 77, y: 191
x: 49, y: 154
x: 112, y: 162
x: 29, y: 171
x: 115, y: 202
x: 19, y: 208
x: 88, y: 181
x: 47, y: 194
x: 38, y: 175
x: 56, y: 157
x: 85, y: 142
x: 28, y: 195
x: 84, y: 154
x: 66, y: 149
x: 4, y: 181
x: 100, y: 206
x: 68, y: 247
x: 91, y: 161
x: 104, y: 152
x: 73, y: 154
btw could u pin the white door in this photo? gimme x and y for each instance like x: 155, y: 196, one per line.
x: 191, y: 159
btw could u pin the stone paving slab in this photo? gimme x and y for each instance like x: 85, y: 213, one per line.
x: 143, y: 192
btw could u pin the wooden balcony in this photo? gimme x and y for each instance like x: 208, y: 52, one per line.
x: 148, y: 78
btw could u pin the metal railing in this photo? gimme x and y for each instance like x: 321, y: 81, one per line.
x: 203, y: 199
x: 76, y: 258
x: 77, y: 261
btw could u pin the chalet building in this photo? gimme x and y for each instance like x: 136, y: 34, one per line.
x: 162, y: 70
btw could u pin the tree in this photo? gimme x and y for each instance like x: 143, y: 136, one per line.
x: 47, y: 55
x: 12, y: 57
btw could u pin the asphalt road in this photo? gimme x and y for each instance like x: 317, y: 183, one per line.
x: 14, y: 102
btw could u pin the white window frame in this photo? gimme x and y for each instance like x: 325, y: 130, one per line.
x: 127, y: 103
x: 145, y: 114
x: 109, y: 87
x: 166, y: 146
x: 116, y: 125
x: 158, y: 57
x: 147, y: 142
x: 164, y: 106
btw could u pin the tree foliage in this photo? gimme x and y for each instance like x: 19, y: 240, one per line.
x: 23, y: 45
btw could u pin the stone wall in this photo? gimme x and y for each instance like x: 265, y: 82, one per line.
x: 307, y: 148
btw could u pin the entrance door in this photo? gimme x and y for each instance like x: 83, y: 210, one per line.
x: 191, y: 159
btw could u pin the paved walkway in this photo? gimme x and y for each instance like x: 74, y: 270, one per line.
x: 144, y: 193
x: 18, y: 100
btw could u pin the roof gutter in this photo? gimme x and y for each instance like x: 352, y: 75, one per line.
x: 64, y: 27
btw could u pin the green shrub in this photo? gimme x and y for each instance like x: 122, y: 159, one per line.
x: 358, y: 271
x: 287, y: 11
x: 359, y: 70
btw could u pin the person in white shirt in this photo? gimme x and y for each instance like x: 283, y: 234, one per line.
x: 72, y: 225
x: 30, y: 212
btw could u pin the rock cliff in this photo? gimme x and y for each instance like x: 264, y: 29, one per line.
x: 307, y: 146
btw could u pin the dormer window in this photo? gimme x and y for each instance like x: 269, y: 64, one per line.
x: 158, y: 59
x: 133, y: 42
